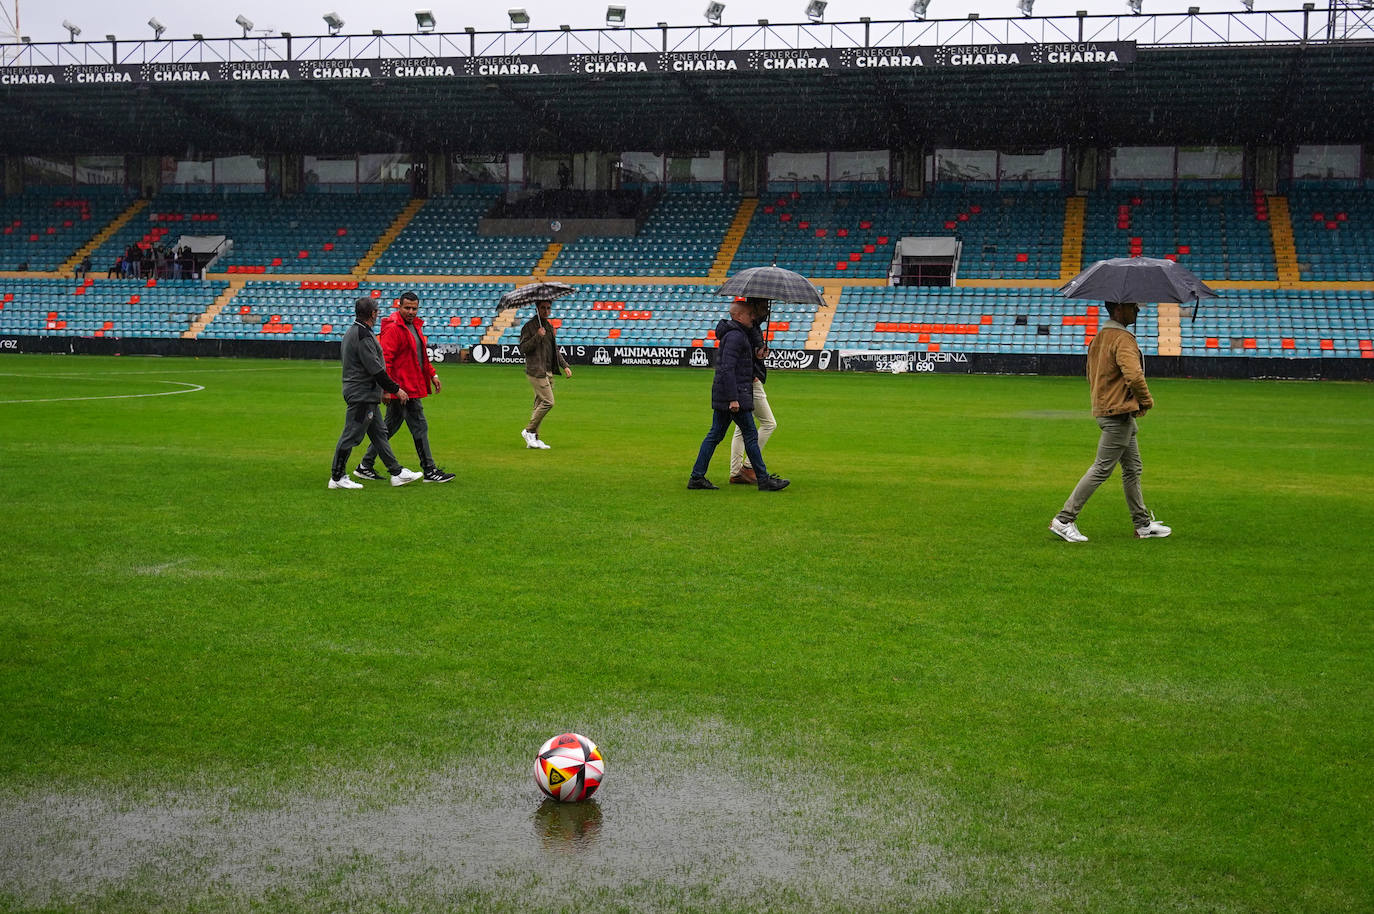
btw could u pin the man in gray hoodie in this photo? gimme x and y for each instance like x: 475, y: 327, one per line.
x: 364, y: 379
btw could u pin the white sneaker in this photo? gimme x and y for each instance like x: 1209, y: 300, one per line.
x: 1153, y: 528
x: 1069, y: 532
x: 539, y: 443
x: 529, y: 438
x: 343, y: 482
x: 405, y: 476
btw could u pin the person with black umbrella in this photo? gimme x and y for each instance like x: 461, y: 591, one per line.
x: 543, y: 360
x: 1116, y: 378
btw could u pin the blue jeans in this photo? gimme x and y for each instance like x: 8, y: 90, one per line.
x: 720, y: 425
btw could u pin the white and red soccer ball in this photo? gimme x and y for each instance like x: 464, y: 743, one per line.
x: 569, y: 768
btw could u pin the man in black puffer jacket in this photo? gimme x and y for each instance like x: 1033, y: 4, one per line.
x: 732, y: 400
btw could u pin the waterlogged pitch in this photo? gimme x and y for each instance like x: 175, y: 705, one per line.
x: 887, y: 688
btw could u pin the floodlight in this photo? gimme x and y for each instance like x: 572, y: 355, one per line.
x: 245, y: 23
x: 615, y: 17
x: 157, y: 27
x: 424, y: 20
x: 377, y: 33
x: 1194, y: 10
x: 197, y: 36
x: 1025, y: 6
x: 714, y: 11
x: 972, y: 17
x: 565, y: 28
x: 25, y: 39
x: 919, y: 7
x: 1133, y: 6
x: 72, y: 30
x: 519, y: 19
x: 815, y: 10
x: 111, y: 38
x: 334, y: 22
x: 1249, y: 5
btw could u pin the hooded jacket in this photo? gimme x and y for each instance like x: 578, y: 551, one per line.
x: 408, y: 368
x: 734, y: 378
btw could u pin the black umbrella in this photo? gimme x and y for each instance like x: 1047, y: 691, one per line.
x: 535, y: 291
x: 1138, y: 279
x: 772, y: 283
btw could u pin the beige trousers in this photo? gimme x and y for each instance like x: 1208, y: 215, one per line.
x: 763, y: 419
x: 543, y: 401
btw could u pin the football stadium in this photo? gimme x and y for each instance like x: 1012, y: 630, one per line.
x: 228, y: 687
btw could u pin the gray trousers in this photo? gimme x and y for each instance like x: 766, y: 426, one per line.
x: 363, y: 419
x: 412, y: 413
x: 1117, y: 445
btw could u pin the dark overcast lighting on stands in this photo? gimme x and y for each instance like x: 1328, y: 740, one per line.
x: 615, y: 17
x: 919, y: 7
x: 519, y: 19
x: 424, y: 20
x: 714, y: 11
x: 815, y: 10
x: 334, y: 22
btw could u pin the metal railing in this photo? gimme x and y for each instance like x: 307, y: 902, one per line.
x: 1217, y: 29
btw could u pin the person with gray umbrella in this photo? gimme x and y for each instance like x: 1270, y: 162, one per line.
x: 1116, y: 379
x: 543, y: 360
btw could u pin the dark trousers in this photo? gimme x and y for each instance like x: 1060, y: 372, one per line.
x: 363, y: 420
x: 720, y: 426
x: 412, y: 413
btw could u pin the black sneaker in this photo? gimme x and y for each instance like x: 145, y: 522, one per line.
x: 773, y: 483
x: 363, y: 472
x: 436, y: 474
x: 700, y: 482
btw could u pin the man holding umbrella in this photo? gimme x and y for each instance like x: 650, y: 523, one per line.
x: 543, y: 360
x: 1116, y: 378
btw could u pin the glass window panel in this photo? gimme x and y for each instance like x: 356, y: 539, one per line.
x: 331, y: 170
x: 186, y: 171
x: 1032, y: 166
x: 47, y: 170
x: 965, y: 164
x: 240, y: 170
x: 865, y: 165
x: 1131, y: 162
x: 1326, y: 162
x: 389, y: 168
x: 641, y: 168
x: 796, y: 166
x: 99, y: 169
x: 1211, y: 162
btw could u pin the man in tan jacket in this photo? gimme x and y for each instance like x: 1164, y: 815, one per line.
x: 1116, y: 377
x: 543, y: 360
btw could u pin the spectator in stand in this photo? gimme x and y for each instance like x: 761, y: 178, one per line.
x: 364, y: 379
x: 406, y: 352
x: 83, y: 268
x: 543, y: 360
x: 116, y: 269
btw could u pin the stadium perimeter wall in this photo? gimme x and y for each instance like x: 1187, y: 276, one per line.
x: 895, y: 361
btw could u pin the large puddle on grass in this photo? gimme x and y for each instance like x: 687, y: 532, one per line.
x: 682, y: 822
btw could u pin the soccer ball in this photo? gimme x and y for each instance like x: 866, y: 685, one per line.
x: 569, y: 768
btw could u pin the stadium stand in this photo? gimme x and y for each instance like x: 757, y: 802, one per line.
x: 323, y: 233
x: 1218, y: 234
x: 442, y: 240
x: 44, y: 226
x: 1005, y: 234
x: 454, y: 313
x: 1333, y: 230
x: 680, y: 238
x: 102, y: 308
x: 1284, y: 324
x: 611, y: 314
x: 934, y: 319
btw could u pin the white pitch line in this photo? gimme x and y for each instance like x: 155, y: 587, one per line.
x: 189, y: 389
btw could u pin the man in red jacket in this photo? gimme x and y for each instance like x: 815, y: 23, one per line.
x: 407, y: 361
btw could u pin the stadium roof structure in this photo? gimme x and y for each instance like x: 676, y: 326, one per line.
x: 1246, y: 78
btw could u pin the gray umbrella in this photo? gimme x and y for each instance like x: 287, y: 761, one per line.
x: 772, y: 283
x: 535, y: 291
x: 1138, y: 279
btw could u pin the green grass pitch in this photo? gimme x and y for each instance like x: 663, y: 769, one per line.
x: 888, y: 688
